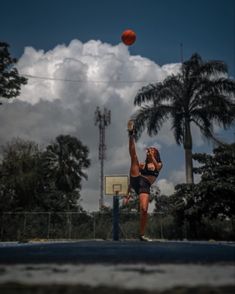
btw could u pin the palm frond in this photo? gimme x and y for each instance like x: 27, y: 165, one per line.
x: 146, y: 93
x: 220, y: 85
x: 208, y: 90
x: 191, y: 66
x: 207, y: 131
x: 196, y: 67
x: 165, y: 90
x: 140, y: 118
x: 213, y: 67
x: 157, y: 117
x: 218, y: 108
x: 151, y: 118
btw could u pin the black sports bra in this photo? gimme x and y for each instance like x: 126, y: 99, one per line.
x: 146, y: 172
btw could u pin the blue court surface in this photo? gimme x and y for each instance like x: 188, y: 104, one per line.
x: 99, y: 251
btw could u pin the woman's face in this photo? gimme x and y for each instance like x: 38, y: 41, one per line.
x: 149, y: 153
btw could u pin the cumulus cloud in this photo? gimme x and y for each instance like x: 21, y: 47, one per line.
x: 66, y: 84
x: 166, y: 187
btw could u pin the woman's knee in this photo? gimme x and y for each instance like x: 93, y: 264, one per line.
x: 144, y: 202
x: 144, y: 210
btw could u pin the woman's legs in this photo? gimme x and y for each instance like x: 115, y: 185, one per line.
x: 144, y: 202
x: 134, y: 169
x: 135, y: 172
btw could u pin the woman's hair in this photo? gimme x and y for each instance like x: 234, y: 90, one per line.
x: 156, y: 153
x: 155, y: 150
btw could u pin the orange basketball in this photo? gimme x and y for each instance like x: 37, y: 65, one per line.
x: 128, y: 37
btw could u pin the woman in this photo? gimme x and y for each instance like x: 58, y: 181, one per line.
x: 142, y: 176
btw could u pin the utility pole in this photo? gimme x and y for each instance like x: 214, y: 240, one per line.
x: 102, y: 120
x: 181, y: 53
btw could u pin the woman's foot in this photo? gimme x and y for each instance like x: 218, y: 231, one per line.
x: 131, y: 127
x: 145, y: 239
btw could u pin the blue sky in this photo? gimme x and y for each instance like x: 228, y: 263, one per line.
x: 203, y: 26
x: 54, y: 39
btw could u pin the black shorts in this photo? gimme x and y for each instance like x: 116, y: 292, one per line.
x: 140, y: 184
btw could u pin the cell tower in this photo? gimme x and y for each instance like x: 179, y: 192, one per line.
x: 102, y: 120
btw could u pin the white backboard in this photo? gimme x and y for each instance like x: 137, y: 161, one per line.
x: 116, y: 184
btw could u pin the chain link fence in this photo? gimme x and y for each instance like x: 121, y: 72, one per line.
x: 73, y: 225
x: 20, y: 226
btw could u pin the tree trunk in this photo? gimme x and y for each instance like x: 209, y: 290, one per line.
x: 188, y: 166
x: 188, y: 153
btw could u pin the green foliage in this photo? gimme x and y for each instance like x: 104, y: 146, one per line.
x: 20, y: 176
x: 162, y: 204
x: 64, y: 161
x: 213, y: 197
x: 10, y: 80
x: 216, y: 190
x: 33, y: 180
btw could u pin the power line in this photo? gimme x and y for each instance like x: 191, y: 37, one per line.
x: 82, y: 81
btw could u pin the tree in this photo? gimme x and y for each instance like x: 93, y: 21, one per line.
x: 64, y: 162
x: 19, y: 175
x: 10, y: 80
x: 162, y: 204
x: 200, y: 94
x: 32, y: 179
x: 185, y: 209
x: 213, y: 197
x: 215, y: 192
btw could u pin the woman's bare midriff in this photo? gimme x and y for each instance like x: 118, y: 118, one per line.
x: 151, y: 179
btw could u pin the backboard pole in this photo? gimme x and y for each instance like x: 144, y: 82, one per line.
x: 116, y: 217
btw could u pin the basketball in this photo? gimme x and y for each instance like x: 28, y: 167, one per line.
x: 128, y: 37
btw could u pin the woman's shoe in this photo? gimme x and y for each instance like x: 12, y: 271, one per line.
x: 145, y: 239
x: 131, y: 128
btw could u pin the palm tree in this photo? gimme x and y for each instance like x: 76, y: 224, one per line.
x: 201, y: 94
x: 64, y: 161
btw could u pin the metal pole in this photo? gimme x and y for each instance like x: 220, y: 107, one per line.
x: 49, y: 225
x: 116, y: 217
x: 24, y: 225
x: 161, y: 227
x: 101, y: 163
x: 69, y: 224
x: 94, y: 228
x: 2, y: 227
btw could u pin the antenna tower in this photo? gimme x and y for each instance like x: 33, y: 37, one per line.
x: 102, y: 120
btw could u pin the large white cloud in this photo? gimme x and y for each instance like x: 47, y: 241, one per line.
x: 64, y: 88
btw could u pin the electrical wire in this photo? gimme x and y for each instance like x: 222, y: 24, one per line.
x: 82, y: 81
